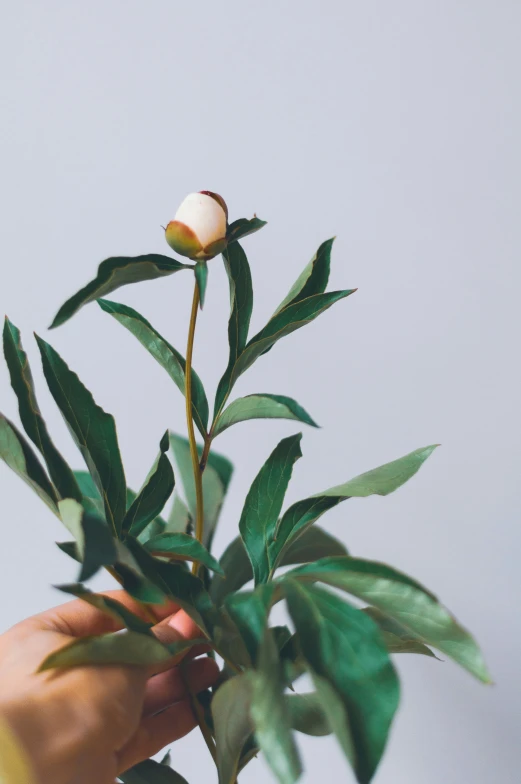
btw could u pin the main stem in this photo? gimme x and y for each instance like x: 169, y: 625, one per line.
x: 198, y: 475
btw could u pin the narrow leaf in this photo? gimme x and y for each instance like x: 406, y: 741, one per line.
x: 111, y: 607
x: 307, y: 714
x: 115, y: 272
x: 313, y: 279
x: 126, y: 647
x: 30, y: 415
x: 261, y: 406
x: 233, y: 726
x: 179, y: 519
x: 404, y: 600
x: 16, y: 452
x: 397, y: 639
x: 93, y: 430
x: 250, y: 611
x: 242, y: 227
x: 153, y: 496
x: 151, y: 772
x: 201, y: 276
x: 96, y: 546
x: 182, y: 547
x: 166, y: 355
x: 264, y: 502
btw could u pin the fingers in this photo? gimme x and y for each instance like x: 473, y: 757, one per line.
x: 169, y: 687
x: 156, y: 732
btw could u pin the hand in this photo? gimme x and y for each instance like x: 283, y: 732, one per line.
x: 87, y: 725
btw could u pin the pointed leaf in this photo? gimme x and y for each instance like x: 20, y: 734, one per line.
x: 115, y: 272
x: 166, y: 355
x: 93, y: 430
x: 271, y: 716
x: 179, y: 519
x: 151, y: 772
x: 126, y: 647
x: 16, y: 452
x: 250, y: 611
x: 153, y: 496
x: 261, y: 406
x: 264, y: 502
x: 344, y: 647
x: 243, y: 227
x: 307, y: 714
x: 402, y: 599
x: 313, y: 544
x: 396, y: 637
x: 379, y: 481
x: 96, y: 546
x: 233, y: 725
x: 313, y: 279
x: 182, y: 547
x: 201, y: 276
x: 241, y: 306
x: 111, y: 607
x: 30, y: 415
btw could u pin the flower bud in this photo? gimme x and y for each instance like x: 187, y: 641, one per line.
x: 199, y: 226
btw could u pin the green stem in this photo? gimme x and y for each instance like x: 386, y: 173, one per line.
x: 198, y: 476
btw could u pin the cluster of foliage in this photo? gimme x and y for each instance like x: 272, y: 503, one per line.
x: 344, y: 649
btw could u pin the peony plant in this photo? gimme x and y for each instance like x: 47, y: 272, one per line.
x: 257, y: 704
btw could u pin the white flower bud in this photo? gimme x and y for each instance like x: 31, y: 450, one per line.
x: 199, y: 226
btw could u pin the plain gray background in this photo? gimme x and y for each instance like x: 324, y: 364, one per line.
x: 393, y: 124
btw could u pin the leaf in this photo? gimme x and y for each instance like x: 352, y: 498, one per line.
x: 16, y: 452
x: 314, y: 543
x: 250, y: 610
x: 30, y: 415
x: 96, y: 546
x: 166, y: 355
x: 264, y: 502
x: 397, y: 639
x: 109, y: 606
x: 242, y: 228
x: 313, y: 279
x: 379, y: 481
x: 233, y: 726
x: 93, y: 430
x: 271, y: 716
x: 179, y: 519
x: 126, y: 647
x: 216, y: 478
x: 91, y: 499
x: 115, y: 272
x: 151, y: 772
x: 404, y: 600
x: 184, y: 548
x: 261, y: 406
x: 343, y: 647
x: 241, y: 306
x: 201, y: 276
x: 307, y: 714
x: 288, y: 320
x: 154, y: 494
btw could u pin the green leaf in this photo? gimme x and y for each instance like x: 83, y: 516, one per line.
x: 91, y: 499
x: 182, y: 547
x: 30, y: 415
x: 242, y: 227
x: 109, y: 606
x: 404, y: 600
x: 271, y: 716
x: 133, y: 579
x: 201, y: 276
x: 233, y: 725
x: 126, y: 647
x: 93, y: 430
x: 281, y: 324
x: 241, y: 306
x: 96, y: 546
x: 397, y: 639
x: 250, y: 610
x: 313, y: 279
x: 307, y: 714
x: 179, y: 519
x: 379, y: 481
x: 166, y: 355
x: 216, y: 478
x: 314, y: 543
x: 343, y: 647
x: 264, y: 502
x: 151, y: 772
x: 115, y: 272
x: 70, y: 549
x: 154, y: 494
x: 261, y: 406
x: 16, y: 452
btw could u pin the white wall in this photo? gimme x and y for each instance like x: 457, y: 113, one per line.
x: 394, y: 125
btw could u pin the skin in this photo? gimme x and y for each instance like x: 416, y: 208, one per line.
x: 89, y: 724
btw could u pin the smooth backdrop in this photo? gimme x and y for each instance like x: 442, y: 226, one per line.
x: 393, y: 124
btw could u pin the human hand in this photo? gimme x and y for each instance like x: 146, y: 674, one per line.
x: 87, y: 725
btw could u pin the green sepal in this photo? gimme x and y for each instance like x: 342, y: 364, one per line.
x: 201, y: 276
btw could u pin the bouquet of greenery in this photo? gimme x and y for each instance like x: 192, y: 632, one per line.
x: 343, y: 648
